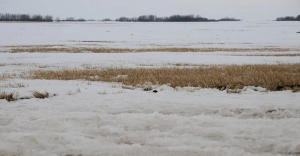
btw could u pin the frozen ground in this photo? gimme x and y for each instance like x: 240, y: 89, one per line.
x: 98, y: 118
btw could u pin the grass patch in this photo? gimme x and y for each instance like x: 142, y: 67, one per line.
x: 8, y: 96
x: 40, y: 95
x: 229, y: 77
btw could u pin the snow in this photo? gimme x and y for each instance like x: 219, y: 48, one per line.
x: 135, y: 122
x: 98, y: 118
x: 19, y: 62
x: 116, y: 34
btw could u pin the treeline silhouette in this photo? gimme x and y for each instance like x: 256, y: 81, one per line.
x: 35, y: 18
x: 144, y: 18
x: 229, y: 19
x: 25, y: 17
x: 288, y: 18
x: 71, y: 19
x: 173, y: 18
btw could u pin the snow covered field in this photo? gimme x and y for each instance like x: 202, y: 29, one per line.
x: 112, y: 34
x: 99, y: 118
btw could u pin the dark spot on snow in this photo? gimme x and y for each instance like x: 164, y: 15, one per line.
x: 280, y: 87
x: 147, y: 89
x: 221, y: 88
x: 155, y: 91
x: 274, y: 110
x: 25, y: 98
x: 287, y: 87
x: 270, y: 111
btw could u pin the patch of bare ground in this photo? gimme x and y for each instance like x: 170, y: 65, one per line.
x: 271, y: 54
x: 128, y: 50
x: 272, y: 77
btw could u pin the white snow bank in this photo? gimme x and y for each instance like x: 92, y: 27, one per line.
x: 135, y: 122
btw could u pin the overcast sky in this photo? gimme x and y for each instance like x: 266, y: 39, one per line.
x: 99, y: 9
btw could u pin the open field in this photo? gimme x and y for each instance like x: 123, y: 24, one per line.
x: 150, y: 89
x: 149, y: 35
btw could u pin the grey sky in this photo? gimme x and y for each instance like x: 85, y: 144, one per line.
x: 99, y: 9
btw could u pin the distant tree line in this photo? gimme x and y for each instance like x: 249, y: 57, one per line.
x: 173, y: 18
x: 106, y: 20
x: 25, y: 17
x: 70, y: 19
x: 229, y: 19
x: 288, y: 18
x: 35, y: 18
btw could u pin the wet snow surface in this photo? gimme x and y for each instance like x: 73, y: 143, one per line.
x: 135, y: 122
x: 98, y: 118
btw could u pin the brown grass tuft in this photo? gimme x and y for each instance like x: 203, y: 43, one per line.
x: 40, y: 95
x: 226, y: 77
x: 7, y: 96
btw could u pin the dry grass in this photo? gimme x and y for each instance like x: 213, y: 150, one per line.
x: 272, y: 77
x: 127, y: 50
x: 8, y: 96
x: 40, y: 95
x: 12, y: 85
